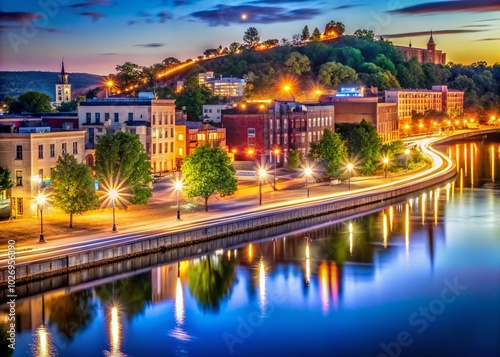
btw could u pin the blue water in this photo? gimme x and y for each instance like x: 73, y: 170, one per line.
x: 421, y: 278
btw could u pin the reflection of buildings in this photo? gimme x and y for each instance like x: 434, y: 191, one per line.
x: 164, y: 282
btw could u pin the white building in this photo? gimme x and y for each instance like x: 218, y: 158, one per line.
x: 153, y: 120
x: 213, y: 112
x: 63, y: 88
x: 224, y: 86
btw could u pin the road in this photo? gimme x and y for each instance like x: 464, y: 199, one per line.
x: 238, y: 207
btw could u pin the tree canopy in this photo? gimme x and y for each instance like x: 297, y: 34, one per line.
x: 208, y: 171
x: 333, y: 74
x: 251, y: 37
x: 121, y: 163
x: 330, y: 150
x: 5, y: 180
x: 193, y: 97
x: 31, y: 102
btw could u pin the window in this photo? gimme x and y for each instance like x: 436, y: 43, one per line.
x: 40, y: 151
x: 166, y: 148
x: 154, y: 150
x: 166, y: 133
x: 87, y: 118
x: 106, y: 116
x: 19, y: 178
x: 19, y: 152
x: 116, y: 117
x: 160, y: 120
x: 172, y: 147
x: 180, y: 151
x: 75, y: 148
x: 251, y: 132
x: 171, y: 132
x: 63, y: 148
x: 160, y: 146
x: 19, y: 206
x: 52, y: 150
x: 205, y: 110
x: 130, y: 116
x: 133, y: 131
x: 180, y: 137
x: 154, y: 119
x: 40, y: 175
x: 171, y: 118
x: 97, y: 118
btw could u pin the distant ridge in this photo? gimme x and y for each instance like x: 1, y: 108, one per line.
x: 15, y: 83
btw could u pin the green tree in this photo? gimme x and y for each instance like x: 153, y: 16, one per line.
x: 31, y: 102
x: 72, y: 105
x: 121, y: 161
x: 251, y: 37
x: 128, y: 74
x: 5, y: 181
x: 73, y: 187
x: 210, y: 280
x: 333, y: 74
x: 305, y: 33
x: 92, y: 93
x: 193, y: 96
x: 316, y: 35
x: 363, y: 144
x: 170, y: 61
x: 393, y: 148
x: 334, y: 29
x: 234, y: 47
x: 362, y: 33
x: 207, y: 171
x: 294, y: 158
x: 297, y: 63
x: 330, y: 150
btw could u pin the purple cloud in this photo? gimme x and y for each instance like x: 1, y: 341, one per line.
x: 427, y: 33
x: 223, y: 15
x: 164, y: 16
x: 451, y: 6
x: 91, y: 3
x: 150, y: 45
x: 92, y: 14
x: 19, y: 16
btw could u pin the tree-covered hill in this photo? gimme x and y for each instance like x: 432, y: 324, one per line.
x: 15, y: 83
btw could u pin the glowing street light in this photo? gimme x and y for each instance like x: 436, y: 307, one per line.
x: 178, y: 188
x: 113, y: 194
x: 349, y: 168
x: 109, y: 85
x: 307, y: 173
x: 276, y: 153
x: 386, y: 161
x: 40, y: 200
x: 262, y: 175
x: 407, y: 152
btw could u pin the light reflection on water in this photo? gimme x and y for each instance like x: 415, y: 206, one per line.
x: 352, y: 288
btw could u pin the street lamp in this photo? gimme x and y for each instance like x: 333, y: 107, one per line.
x: 407, y: 152
x: 386, y: 161
x: 178, y: 188
x: 276, y: 153
x: 262, y: 174
x: 349, y: 168
x: 113, y: 194
x: 40, y: 200
x: 307, y: 172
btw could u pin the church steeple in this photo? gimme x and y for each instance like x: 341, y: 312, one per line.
x: 63, y: 77
x: 431, y: 45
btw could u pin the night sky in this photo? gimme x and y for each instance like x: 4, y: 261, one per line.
x: 96, y: 35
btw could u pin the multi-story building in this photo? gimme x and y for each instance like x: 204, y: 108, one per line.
x: 439, y: 98
x: 227, y: 87
x: 213, y: 112
x: 30, y: 154
x: 259, y: 128
x: 424, y: 55
x: 153, y: 120
x: 383, y: 116
x: 191, y: 134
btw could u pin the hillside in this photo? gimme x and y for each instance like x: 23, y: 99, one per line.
x: 16, y: 83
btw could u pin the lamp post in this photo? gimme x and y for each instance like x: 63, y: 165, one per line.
x: 407, y: 152
x: 276, y: 153
x: 262, y: 174
x: 40, y: 200
x: 113, y: 194
x: 349, y: 168
x: 308, y: 173
x: 178, y: 188
x: 386, y: 161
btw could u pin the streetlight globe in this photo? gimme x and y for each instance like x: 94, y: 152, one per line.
x: 276, y: 151
x: 407, y: 151
x: 262, y: 173
x: 178, y: 185
x: 350, y: 166
x: 307, y: 171
x: 386, y: 160
x: 40, y: 199
x: 113, y: 193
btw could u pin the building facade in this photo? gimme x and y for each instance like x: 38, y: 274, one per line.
x: 439, y: 98
x: 153, y: 120
x: 213, y: 112
x: 227, y: 87
x: 256, y: 129
x: 31, y: 156
x: 424, y: 55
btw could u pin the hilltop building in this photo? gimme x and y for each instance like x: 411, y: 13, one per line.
x: 63, y: 88
x: 228, y: 87
x: 424, y: 55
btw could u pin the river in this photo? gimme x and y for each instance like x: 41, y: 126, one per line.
x: 417, y: 278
